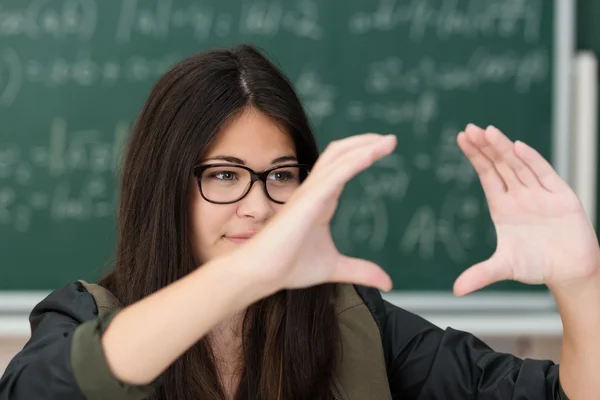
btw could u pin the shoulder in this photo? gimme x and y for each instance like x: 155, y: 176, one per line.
x: 362, y: 370
x: 385, y: 313
x: 354, y: 318
x: 105, y: 301
x: 382, y: 337
x: 78, y: 301
x: 398, y: 328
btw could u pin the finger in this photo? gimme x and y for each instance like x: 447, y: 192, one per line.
x: 328, y: 182
x: 360, y: 272
x: 504, y: 149
x: 358, y: 160
x: 491, y: 181
x: 339, y: 147
x: 477, y: 136
x: 544, y: 172
x: 479, y: 276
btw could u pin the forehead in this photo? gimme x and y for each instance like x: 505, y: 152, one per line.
x: 252, y: 136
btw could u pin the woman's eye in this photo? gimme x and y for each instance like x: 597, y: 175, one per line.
x: 281, y: 176
x: 225, y: 175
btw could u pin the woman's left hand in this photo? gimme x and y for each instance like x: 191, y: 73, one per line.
x: 544, y: 235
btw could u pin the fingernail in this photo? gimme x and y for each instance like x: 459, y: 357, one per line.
x: 521, y: 143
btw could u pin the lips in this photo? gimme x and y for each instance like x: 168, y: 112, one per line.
x: 240, y: 237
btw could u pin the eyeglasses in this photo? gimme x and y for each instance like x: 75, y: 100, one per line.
x: 229, y: 183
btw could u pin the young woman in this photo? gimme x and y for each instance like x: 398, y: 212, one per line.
x: 227, y: 283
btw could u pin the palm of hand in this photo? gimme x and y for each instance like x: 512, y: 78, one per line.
x: 544, y: 235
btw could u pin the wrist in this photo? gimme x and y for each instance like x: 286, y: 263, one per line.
x: 239, y: 278
x: 577, y: 286
x: 577, y: 302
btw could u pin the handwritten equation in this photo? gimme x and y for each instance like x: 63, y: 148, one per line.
x: 371, y: 220
x: 452, y: 18
x: 80, y: 163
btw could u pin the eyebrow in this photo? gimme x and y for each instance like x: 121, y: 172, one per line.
x: 235, y: 160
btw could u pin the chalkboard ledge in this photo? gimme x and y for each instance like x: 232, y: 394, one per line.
x: 23, y: 301
x: 483, y: 314
x: 497, y: 301
x: 489, y: 325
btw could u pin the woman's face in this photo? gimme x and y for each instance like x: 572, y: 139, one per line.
x: 252, y: 140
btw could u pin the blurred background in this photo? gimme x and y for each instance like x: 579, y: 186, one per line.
x: 75, y: 73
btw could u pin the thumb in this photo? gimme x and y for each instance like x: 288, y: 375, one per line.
x: 360, y: 272
x: 479, y: 276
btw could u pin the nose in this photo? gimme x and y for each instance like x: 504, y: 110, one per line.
x: 256, y: 204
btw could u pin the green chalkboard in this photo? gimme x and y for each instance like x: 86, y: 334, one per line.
x: 74, y: 74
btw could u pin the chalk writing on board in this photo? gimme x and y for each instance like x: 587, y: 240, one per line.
x: 11, y: 76
x: 58, y: 20
x: 361, y: 221
x: 450, y: 18
x: 81, y: 205
x: 156, y: 20
x: 451, y: 165
x: 364, y: 220
x: 317, y: 96
x: 304, y: 20
x: 81, y: 70
x: 85, y: 71
x: 450, y: 228
x: 64, y: 202
x: 269, y: 18
x: 79, y: 163
x: 78, y: 150
x: 389, y: 178
x: 418, y: 112
x: 482, y: 67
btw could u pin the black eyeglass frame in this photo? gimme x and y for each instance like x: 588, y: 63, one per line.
x: 198, y: 170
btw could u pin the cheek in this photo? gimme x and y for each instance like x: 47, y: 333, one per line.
x: 277, y: 207
x: 208, y: 224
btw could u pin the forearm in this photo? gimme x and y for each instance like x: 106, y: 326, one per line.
x: 579, y: 306
x: 148, y: 336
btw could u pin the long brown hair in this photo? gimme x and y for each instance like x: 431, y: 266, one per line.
x: 290, y: 338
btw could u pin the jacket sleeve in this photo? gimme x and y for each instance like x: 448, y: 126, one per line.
x: 63, y: 359
x: 427, y: 362
x: 430, y: 363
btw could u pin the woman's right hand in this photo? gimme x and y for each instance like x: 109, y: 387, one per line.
x: 295, y: 249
